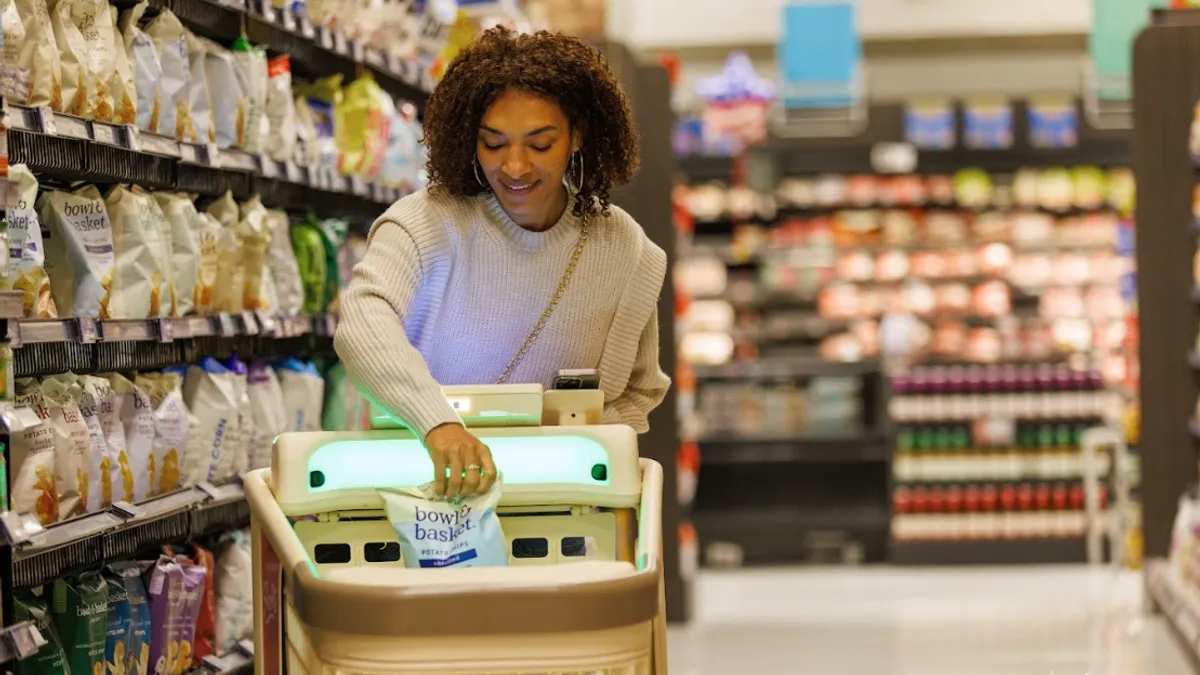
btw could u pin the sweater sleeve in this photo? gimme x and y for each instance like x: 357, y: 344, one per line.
x: 647, y: 384
x: 371, y: 338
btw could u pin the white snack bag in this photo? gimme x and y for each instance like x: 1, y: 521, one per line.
x: 244, y: 421
x: 210, y: 392
x: 267, y: 411
x: 171, y: 45
x: 233, y: 591
x: 147, y: 69
x: 140, y: 288
x: 229, y: 290
x: 208, y: 232
x: 195, y: 455
x: 93, y: 18
x: 99, y: 493
x: 39, y: 66
x: 229, y: 107
x: 254, y: 231
x: 252, y: 71
x: 27, y: 254
x: 123, y: 85
x: 285, y: 271
x: 436, y: 533
x: 170, y: 429
x: 303, y: 394
x: 71, y: 447
x: 108, y: 410
x: 34, y: 484
x: 14, y: 80
x: 79, y: 251
x: 182, y: 217
x: 199, y: 95
x: 137, y: 416
x: 281, y: 110
x: 73, y: 57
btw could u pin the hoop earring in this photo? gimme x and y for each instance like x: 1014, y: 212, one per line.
x: 571, y: 164
x: 475, y: 169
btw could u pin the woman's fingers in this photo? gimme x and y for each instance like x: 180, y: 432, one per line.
x: 439, y: 472
x: 454, y: 488
x: 473, y: 467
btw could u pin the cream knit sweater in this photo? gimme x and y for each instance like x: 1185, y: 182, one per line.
x: 450, y: 288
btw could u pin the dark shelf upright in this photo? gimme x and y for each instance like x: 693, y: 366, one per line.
x: 1166, y: 87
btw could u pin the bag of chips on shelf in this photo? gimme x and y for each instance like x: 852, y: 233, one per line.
x: 39, y: 62
x: 229, y: 107
x: 320, y: 100
x: 195, y: 577
x: 285, y: 271
x: 146, y: 67
x: 345, y: 408
x: 210, y: 392
x: 199, y: 98
x: 204, y: 636
x: 34, y: 484
x: 14, y: 80
x: 27, y: 255
x: 137, y: 465
x: 93, y: 19
x: 252, y: 68
x: 116, y: 642
x: 72, y: 444
x: 182, y: 217
x: 165, y: 593
x: 77, y: 80
x: 170, y: 429
x: 280, y: 110
x: 80, y: 610
x: 228, y: 290
x: 122, y: 85
x: 267, y: 411
x: 79, y: 251
x: 234, y: 591
x: 128, y: 575
x: 108, y: 406
x: 308, y: 245
x: 334, y: 232
x: 171, y: 45
x: 50, y: 659
x: 362, y: 121
x: 303, y: 394
x: 165, y: 252
x: 140, y: 287
x: 242, y: 432
x: 254, y: 232
x: 99, y: 479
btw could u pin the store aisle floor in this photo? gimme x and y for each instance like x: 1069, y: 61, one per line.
x: 934, y: 621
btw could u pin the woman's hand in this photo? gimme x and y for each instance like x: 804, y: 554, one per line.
x: 452, y: 447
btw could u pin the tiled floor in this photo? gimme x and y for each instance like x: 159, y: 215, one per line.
x: 944, y: 621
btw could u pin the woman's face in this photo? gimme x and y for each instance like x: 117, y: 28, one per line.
x: 525, y: 142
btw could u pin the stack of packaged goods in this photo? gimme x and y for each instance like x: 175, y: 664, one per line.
x: 88, y: 59
x: 161, y: 616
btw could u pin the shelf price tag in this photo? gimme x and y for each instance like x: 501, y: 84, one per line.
x: 166, y: 330
x: 225, y: 325
x: 249, y: 323
x: 266, y: 322
x: 88, y: 330
x: 133, y: 138
x: 46, y: 123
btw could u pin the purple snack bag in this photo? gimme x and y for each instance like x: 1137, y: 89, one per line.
x: 165, y: 592
x: 194, y: 579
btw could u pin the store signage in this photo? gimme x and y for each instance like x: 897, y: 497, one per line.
x: 1115, y: 25
x: 736, y: 104
x: 931, y: 125
x: 820, y: 55
x: 988, y: 125
x: 1053, y: 123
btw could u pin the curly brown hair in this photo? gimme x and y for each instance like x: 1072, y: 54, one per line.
x: 561, y: 68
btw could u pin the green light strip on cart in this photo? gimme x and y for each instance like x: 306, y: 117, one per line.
x: 404, y: 462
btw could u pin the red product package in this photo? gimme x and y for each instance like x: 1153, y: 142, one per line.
x: 203, y: 644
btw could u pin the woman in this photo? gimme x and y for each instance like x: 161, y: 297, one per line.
x: 513, y: 264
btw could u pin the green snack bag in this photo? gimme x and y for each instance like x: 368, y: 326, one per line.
x: 80, y: 610
x: 50, y: 659
x: 334, y: 233
x: 308, y: 244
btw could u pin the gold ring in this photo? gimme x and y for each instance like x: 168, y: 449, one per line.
x: 474, y: 467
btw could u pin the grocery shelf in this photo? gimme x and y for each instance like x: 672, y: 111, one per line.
x: 861, y: 447
x: 70, y: 149
x: 238, y: 662
x: 41, y: 555
x: 990, y: 552
x: 1178, y: 602
x: 19, y: 641
x: 787, y: 368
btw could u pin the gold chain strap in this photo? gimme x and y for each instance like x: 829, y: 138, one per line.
x: 558, y: 293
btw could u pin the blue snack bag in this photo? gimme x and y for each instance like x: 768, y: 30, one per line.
x: 437, y: 532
